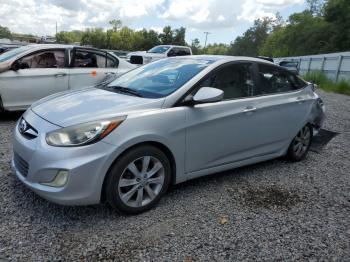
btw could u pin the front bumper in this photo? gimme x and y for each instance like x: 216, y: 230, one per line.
x: 35, y: 162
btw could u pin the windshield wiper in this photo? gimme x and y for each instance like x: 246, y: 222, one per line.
x: 128, y: 90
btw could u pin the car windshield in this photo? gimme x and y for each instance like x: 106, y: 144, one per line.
x: 160, y: 78
x: 14, y: 52
x: 159, y: 49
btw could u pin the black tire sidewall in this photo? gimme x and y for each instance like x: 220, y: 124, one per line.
x: 291, y: 154
x: 119, y: 166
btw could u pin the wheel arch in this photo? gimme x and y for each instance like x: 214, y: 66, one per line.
x: 2, y: 109
x: 165, y: 149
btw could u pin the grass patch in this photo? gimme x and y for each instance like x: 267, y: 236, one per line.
x: 321, y: 79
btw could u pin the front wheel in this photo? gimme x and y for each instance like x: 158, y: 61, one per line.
x: 300, y: 145
x: 138, y: 179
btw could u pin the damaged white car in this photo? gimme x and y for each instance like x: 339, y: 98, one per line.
x: 32, y: 72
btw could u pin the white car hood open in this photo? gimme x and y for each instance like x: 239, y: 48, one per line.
x: 80, y: 106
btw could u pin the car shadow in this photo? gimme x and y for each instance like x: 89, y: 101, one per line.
x: 11, y: 116
x: 38, y: 209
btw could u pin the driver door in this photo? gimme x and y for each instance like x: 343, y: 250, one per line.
x: 42, y: 73
x: 224, y: 132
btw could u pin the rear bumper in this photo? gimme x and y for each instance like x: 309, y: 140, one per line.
x: 318, y: 114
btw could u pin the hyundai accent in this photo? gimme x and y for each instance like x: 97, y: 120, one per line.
x: 163, y: 123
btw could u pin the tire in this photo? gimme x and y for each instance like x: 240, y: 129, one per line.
x: 300, y: 145
x: 138, y: 179
x: 2, y: 109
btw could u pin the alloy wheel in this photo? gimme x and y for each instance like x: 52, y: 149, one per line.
x: 302, y: 141
x: 141, y: 181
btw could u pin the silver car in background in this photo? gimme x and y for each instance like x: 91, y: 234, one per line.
x: 31, y: 72
x: 163, y: 123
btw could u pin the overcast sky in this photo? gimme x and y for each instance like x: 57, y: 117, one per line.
x: 224, y: 19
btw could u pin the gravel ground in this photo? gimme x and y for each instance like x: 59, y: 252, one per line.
x: 275, y: 210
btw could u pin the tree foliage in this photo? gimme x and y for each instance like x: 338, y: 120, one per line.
x: 5, y: 32
x: 123, y: 38
x: 252, y: 39
x: 337, y: 13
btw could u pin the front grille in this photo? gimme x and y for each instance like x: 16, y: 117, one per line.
x: 26, y: 130
x: 21, y: 165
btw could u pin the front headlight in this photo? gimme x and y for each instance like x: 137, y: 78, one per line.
x: 83, y: 134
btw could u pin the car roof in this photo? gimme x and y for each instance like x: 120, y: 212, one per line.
x: 174, y: 46
x: 50, y: 46
x: 223, y: 58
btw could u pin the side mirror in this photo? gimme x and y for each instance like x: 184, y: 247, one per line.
x: 208, y: 95
x: 17, y: 65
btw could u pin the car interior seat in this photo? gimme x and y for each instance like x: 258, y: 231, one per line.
x: 46, y: 60
x: 229, y: 81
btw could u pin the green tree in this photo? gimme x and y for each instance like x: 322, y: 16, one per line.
x: 196, y: 47
x: 253, y: 39
x: 150, y: 39
x: 305, y: 34
x: 337, y: 13
x: 69, y: 37
x: 216, y: 49
x: 116, y: 24
x: 315, y: 7
x: 95, y: 37
x: 179, y: 36
x: 5, y: 32
x: 166, y: 37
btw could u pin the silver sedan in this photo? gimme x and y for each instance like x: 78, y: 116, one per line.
x: 163, y: 123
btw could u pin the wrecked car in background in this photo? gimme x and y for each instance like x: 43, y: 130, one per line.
x: 31, y: 72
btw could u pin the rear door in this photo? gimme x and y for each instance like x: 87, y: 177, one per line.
x: 89, y: 67
x: 42, y: 73
x: 282, y: 105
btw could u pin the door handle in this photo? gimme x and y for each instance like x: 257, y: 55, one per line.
x: 60, y: 74
x: 249, y: 109
x: 109, y: 73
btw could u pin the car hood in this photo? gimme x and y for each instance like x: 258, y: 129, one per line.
x: 137, y: 53
x: 145, y: 54
x: 80, y: 106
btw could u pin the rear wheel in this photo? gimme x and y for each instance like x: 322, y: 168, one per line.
x: 137, y: 180
x: 300, y: 145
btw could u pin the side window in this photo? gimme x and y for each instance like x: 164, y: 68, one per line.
x: 235, y: 80
x: 112, y: 62
x: 273, y: 80
x: 172, y: 52
x: 187, y: 51
x: 91, y: 59
x: 184, y: 51
x: 44, y: 59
